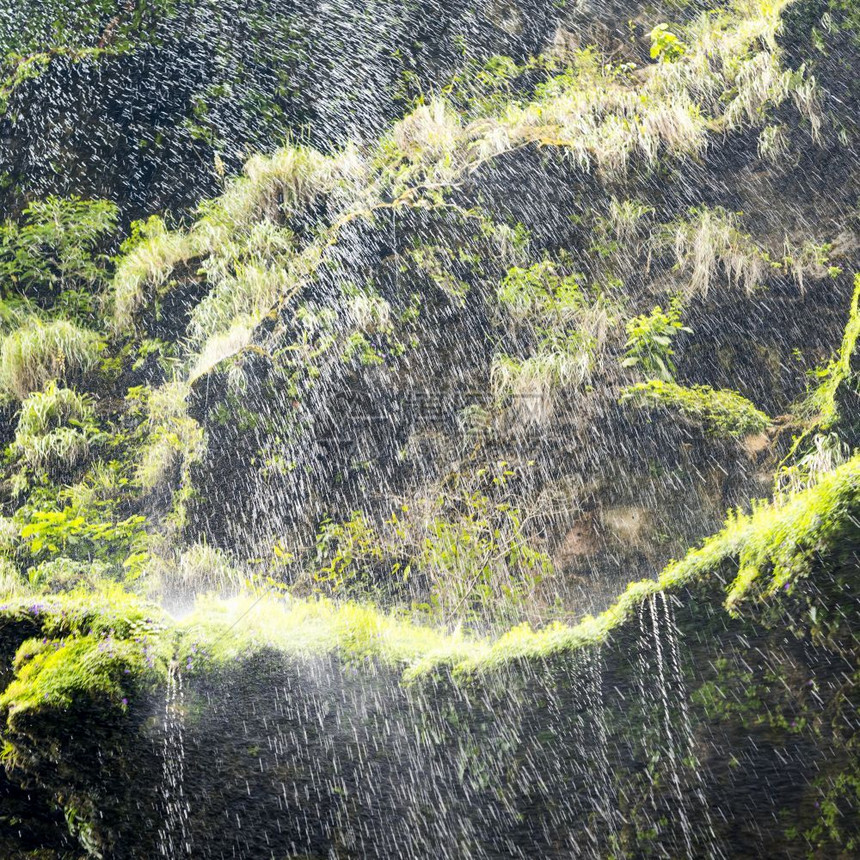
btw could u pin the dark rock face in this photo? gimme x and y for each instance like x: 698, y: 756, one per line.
x: 140, y: 113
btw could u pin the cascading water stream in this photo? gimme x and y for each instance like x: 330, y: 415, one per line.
x: 594, y: 696
x: 673, y: 634
x: 390, y: 478
x: 173, y: 835
x: 674, y: 755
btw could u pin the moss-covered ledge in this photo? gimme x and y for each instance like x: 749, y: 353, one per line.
x: 760, y: 565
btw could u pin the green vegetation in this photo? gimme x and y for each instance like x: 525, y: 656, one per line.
x: 709, y: 241
x: 36, y: 25
x: 96, y: 645
x: 774, y: 550
x: 823, y: 404
x: 146, y: 260
x: 721, y: 413
x: 371, y: 402
x: 540, y: 291
x: 56, y: 674
x: 174, y: 442
x: 39, y: 353
x: 54, y: 248
x: 56, y: 431
x: 529, y: 383
x: 649, y: 342
x: 469, y: 557
x: 67, y: 532
x: 665, y: 45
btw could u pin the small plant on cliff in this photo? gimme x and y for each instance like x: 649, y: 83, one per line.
x: 529, y: 384
x: 481, y: 563
x: 824, y: 408
x: 710, y: 240
x: 56, y: 246
x: 649, y: 341
x: 55, y: 433
x: 665, y: 45
x: 539, y: 291
x: 356, y: 554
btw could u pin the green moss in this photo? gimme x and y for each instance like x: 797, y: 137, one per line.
x: 823, y: 405
x: 96, y: 646
x: 55, y: 674
x: 220, y: 631
x: 785, y: 541
x: 108, y: 609
x: 773, y: 550
x: 719, y: 412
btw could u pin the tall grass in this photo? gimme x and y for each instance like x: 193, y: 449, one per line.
x: 710, y: 241
x: 55, y: 430
x: 40, y: 352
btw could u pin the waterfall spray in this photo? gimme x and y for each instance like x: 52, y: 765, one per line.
x: 173, y: 836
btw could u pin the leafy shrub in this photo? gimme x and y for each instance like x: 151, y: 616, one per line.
x: 56, y: 245
x: 41, y: 352
x: 540, y: 290
x: 480, y: 563
x: 355, y: 554
x: 665, y: 45
x: 69, y: 533
x: 649, y: 341
x: 483, y: 87
x: 472, y: 560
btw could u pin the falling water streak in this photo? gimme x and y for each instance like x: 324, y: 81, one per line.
x: 598, y: 709
x: 673, y: 639
x: 644, y: 673
x: 173, y: 835
x: 670, y: 736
